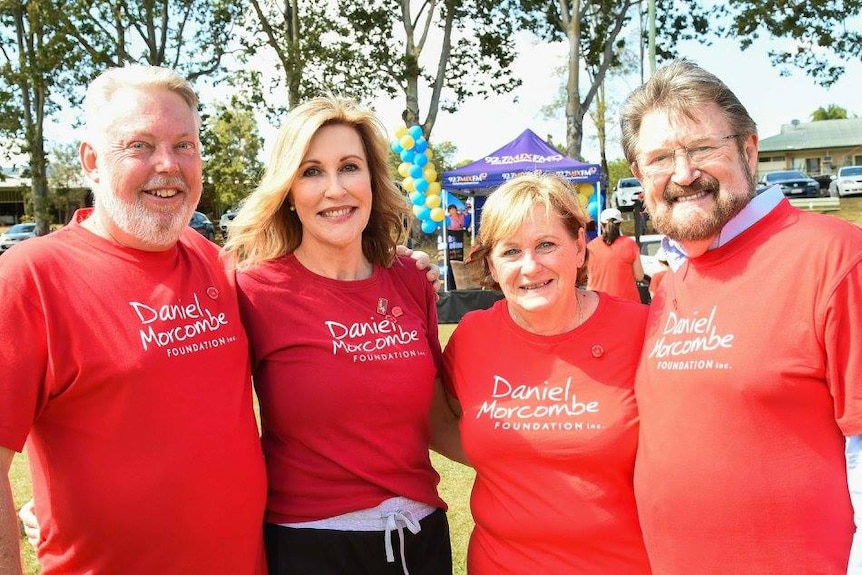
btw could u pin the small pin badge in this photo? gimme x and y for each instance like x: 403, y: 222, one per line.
x: 382, y: 305
x: 397, y: 311
x: 212, y: 292
x: 598, y: 351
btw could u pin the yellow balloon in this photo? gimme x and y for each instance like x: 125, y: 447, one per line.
x: 404, y: 169
x: 586, y: 189
x: 401, y: 131
x: 409, y: 184
x: 583, y: 200
x: 417, y: 210
x: 429, y: 173
x: 407, y: 142
x: 437, y: 214
x: 429, y: 153
x: 434, y: 188
x: 432, y: 201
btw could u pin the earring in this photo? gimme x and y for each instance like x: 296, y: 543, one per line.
x: 292, y: 209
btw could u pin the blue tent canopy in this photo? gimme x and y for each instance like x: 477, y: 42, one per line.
x: 526, y: 153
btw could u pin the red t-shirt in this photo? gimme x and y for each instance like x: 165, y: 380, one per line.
x: 610, y: 267
x: 550, y: 425
x: 130, y: 372
x: 752, y: 370
x: 345, y: 373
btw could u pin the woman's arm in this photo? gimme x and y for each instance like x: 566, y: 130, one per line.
x: 445, y: 434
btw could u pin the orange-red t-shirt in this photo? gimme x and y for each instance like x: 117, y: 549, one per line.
x: 610, y: 267
x: 752, y: 371
x: 550, y: 425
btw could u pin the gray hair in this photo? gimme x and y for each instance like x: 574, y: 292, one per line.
x: 677, y: 87
x: 106, y: 84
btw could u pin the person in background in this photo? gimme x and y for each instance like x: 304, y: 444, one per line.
x: 656, y: 279
x: 468, y: 216
x: 615, y: 264
x: 124, y: 364
x: 640, y: 217
x: 751, y: 378
x: 548, y: 414
x: 455, y: 219
x: 345, y: 353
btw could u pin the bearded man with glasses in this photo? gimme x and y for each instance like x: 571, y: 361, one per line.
x: 750, y: 383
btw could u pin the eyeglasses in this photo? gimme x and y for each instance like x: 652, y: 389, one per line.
x: 663, y: 162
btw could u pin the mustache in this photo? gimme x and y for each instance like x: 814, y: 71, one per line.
x: 673, y: 191
x: 166, y: 182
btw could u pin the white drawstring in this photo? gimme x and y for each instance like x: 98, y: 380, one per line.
x: 394, y: 520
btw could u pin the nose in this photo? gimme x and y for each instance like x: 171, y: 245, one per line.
x: 167, y: 160
x: 529, y: 263
x: 684, y: 171
x: 334, y: 187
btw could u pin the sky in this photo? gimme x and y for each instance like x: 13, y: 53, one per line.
x: 481, y: 126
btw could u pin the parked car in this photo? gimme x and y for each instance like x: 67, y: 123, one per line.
x: 16, y: 234
x: 226, y: 219
x: 649, y: 247
x: 626, y: 193
x: 848, y: 181
x: 202, y: 224
x: 794, y: 183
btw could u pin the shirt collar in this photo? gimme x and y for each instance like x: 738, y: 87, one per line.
x: 761, y: 205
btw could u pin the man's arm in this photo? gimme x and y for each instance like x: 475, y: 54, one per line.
x: 10, y: 547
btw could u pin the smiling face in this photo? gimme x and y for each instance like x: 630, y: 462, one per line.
x: 694, y: 200
x: 145, y: 163
x: 537, y: 267
x: 332, y: 191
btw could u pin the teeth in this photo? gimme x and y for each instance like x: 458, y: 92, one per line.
x: 693, y: 197
x: 535, y: 286
x: 164, y: 193
x: 336, y: 213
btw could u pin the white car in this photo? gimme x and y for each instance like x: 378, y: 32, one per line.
x: 848, y: 181
x: 626, y: 193
x: 649, y: 246
x: 16, y: 234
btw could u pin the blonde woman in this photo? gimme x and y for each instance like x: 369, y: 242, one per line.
x: 545, y: 382
x: 345, y: 353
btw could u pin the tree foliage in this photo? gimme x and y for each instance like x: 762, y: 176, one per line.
x: 33, y: 68
x: 830, y: 112
x: 231, y: 145
x: 820, y: 35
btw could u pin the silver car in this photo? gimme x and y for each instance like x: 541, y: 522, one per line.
x: 16, y: 234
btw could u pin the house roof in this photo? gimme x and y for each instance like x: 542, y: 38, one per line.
x: 815, y: 135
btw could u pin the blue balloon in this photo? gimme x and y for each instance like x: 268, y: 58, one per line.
x: 429, y: 226
x: 421, y: 185
x: 397, y: 147
x: 418, y: 199
x: 407, y: 156
x: 425, y: 215
x: 420, y: 146
x: 416, y: 171
x: 415, y: 131
x: 593, y: 209
x: 420, y: 159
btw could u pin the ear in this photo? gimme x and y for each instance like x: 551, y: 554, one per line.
x: 750, y: 149
x: 636, y: 172
x: 492, y: 268
x: 87, y: 154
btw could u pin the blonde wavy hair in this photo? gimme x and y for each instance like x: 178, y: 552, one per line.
x: 510, y: 205
x: 265, y: 228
